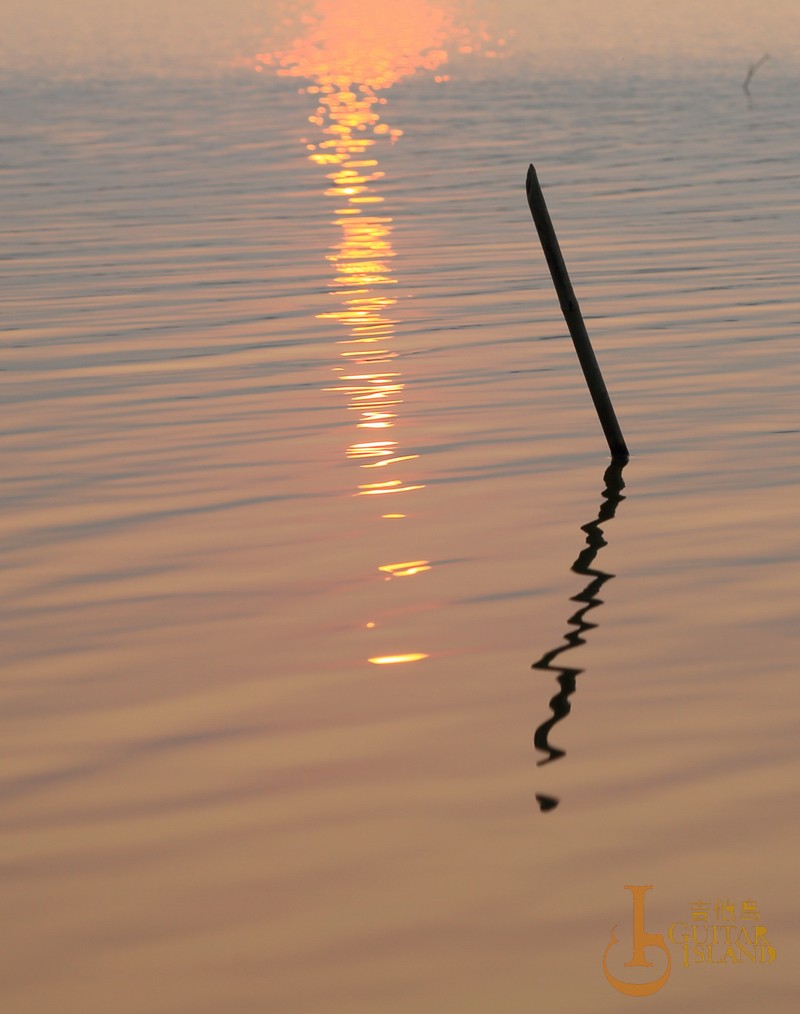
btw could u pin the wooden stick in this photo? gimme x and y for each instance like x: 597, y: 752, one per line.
x: 574, y: 319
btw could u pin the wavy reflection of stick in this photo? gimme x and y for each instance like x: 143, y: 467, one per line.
x: 565, y: 675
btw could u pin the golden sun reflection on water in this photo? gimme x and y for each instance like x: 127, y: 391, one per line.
x: 406, y: 569
x: 348, y: 57
x: 363, y: 282
x: 395, y: 659
x: 363, y: 286
x: 375, y: 45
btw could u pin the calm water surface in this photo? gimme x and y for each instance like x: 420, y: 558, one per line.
x: 340, y: 676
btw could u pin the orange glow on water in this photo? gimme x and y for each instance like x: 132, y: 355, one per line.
x: 377, y: 449
x: 394, y: 489
x: 380, y: 485
x: 390, y: 461
x: 394, y: 659
x: 349, y: 51
x: 406, y: 569
x: 373, y: 45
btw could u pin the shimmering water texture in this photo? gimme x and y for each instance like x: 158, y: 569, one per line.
x: 297, y: 461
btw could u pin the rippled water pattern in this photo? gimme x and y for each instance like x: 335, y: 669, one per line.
x: 271, y: 708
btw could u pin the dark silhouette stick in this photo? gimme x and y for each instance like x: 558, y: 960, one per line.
x: 574, y: 319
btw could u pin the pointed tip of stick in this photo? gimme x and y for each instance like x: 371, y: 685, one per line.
x: 530, y: 177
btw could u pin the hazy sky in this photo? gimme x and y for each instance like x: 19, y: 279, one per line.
x: 96, y: 35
